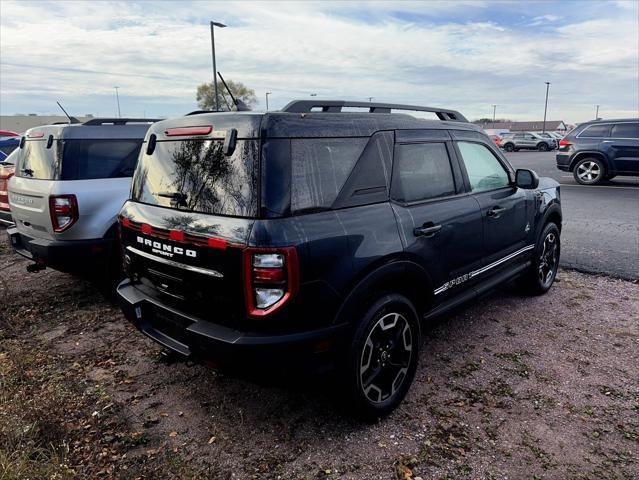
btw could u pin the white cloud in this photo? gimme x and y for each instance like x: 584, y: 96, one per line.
x: 157, y: 53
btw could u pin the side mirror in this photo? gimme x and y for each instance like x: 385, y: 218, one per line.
x: 526, y: 179
x: 230, y: 140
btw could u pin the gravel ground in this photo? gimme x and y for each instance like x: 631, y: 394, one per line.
x: 510, y: 387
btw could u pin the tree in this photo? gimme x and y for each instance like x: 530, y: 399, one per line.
x: 205, y: 95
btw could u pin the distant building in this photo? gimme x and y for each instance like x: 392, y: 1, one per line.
x: 21, y: 123
x: 551, y: 126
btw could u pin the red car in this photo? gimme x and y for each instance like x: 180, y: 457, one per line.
x: 496, y: 139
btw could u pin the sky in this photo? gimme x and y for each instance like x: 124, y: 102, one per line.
x: 464, y: 55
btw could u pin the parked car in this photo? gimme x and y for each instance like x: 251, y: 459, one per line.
x: 8, y: 145
x: 280, y: 237
x: 549, y: 136
x: 70, y: 182
x: 7, y: 169
x: 496, y: 139
x: 600, y: 150
x: 8, y: 133
x: 557, y: 136
x: 527, y: 141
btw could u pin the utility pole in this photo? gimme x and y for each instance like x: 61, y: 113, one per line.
x: 597, y: 113
x: 267, y: 94
x: 494, y: 110
x: 117, y: 97
x: 213, y: 25
x: 546, y: 107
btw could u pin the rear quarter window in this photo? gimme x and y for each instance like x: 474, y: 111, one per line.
x: 595, y: 131
x: 319, y: 169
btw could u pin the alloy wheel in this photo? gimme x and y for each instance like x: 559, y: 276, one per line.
x: 589, y: 171
x: 386, y: 357
x: 548, y: 260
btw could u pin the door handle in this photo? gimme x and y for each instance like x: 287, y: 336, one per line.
x: 428, y: 230
x: 495, y: 212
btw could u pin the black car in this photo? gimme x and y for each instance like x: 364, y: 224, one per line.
x: 324, y: 237
x: 600, y: 150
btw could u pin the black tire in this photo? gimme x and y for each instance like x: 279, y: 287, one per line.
x: 542, y: 147
x: 589, y: 171
x: 509, y: 147
x: 542, y: 272
x: 375, y: 395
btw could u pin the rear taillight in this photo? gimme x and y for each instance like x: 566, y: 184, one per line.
x: 4, y: 192
x: 271, y: 279
x: 565, y: 144
x: 64, y: 212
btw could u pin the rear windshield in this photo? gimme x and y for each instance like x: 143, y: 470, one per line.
x: 37, y: 161
x: 195, y: 175
x: 79, y: 159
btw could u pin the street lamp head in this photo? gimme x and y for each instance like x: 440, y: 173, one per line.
x: 218, y: 24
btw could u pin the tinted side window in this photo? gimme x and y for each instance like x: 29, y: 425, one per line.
x: 625, y: 130
x: 484, y: 171
x: 595, y: 131
x: 319, y: 169
x: 422, y: 171
x: 88, y: 159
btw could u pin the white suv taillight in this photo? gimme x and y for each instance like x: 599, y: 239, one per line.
x: 271, y: 278
x: 64, y: 211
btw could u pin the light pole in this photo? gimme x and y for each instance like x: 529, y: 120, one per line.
x: 370, y: 99
x: 545, y: 107
x: 494, y: 110
x: 117, y: 97
x: 213, y: 25
x: 597, y: 112
x: 267, y: 94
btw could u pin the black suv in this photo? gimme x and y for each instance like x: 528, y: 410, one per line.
x: 600, y: 150
x: 327, y: 236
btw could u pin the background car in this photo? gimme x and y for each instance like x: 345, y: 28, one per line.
x: 69, y: 184
x: 527, y: 141
x: 600, y: 150
x: 8, y: 145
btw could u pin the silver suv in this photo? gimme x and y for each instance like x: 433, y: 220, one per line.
x: 527, y: 141
x: 70, y: 182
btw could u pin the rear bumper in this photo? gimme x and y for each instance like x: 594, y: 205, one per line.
x: 563, y: 161
x: 69, y: 255
x: 5, y: 218
x: 200, y: 339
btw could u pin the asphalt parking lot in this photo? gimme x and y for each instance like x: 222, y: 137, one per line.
x: 601, y: 223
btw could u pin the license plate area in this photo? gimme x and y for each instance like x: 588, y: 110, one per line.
x: 169, y: 323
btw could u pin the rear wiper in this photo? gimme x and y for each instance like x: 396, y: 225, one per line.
x: 27, y: 171
x: 175, y: 195
x: 177, y: 198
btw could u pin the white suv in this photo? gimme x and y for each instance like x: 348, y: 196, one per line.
x: 70, y: 182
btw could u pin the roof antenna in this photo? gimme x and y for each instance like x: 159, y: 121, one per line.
x: 239, y: 104
x: 72, y: 120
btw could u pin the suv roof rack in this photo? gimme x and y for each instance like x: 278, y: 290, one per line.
x: 335, y: 106
x: 119, y: 121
